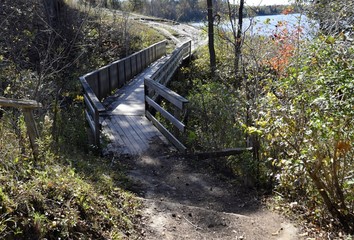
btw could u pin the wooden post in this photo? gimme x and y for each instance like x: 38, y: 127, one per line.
x: 27, y: 107
x: 32, y: 131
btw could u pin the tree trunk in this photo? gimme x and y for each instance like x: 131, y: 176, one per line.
x: 238, y: 42
x: 211, y: 37
x: 344, y: 218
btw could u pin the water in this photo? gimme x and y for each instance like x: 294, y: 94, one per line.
x: 270, y: 25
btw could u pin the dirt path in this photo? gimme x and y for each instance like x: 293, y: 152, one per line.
x: 182, y: 199
x: 176, y: 32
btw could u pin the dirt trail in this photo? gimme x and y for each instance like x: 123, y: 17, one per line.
x: 182, y: 199
x: 176, y: 32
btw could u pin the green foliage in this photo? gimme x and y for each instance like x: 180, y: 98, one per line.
x: 334, y: 16
x: 307, y: 121
x: 217, y: 124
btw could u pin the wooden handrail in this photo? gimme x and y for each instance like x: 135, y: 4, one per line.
x: 19, y: 103
x: 172, y: 97
x: 27, y: 107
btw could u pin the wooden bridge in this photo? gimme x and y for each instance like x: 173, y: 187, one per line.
x: 123, y: 100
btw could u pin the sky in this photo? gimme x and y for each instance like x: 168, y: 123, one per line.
x: 265, y: 2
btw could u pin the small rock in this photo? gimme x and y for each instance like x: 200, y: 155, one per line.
x: 303, y: 234
x: 174, y: 215
x: 293, y: 204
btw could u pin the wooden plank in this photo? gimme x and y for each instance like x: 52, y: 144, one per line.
x: 127, y: 142
x: 92, y: 81
x: 113, y: 76
x: 121, y: 74
x: 166, y: 114
x: 221, y: 153
x: 127, y: 69
x: 19, y: 103
x: 166, y: 133
x: 104, y: 83
x: 133, y: 133
x: 147, y: 127
x: 91, y: 122
x: 114, y: 136
x: 89, y: 106
x: 133, y: 63
x: 128, y: 133
x: 151, y: 130
x: 140, y: 128
x: 143, y: 139
x: 168, y: 94
x: 144, y: 58
x: 139, y: 65
x: 160, y: 50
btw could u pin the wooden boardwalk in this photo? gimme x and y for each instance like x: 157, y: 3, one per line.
x: 128, y: 131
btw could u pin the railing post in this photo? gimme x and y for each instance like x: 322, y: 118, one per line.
x: 97, y: 129
x: 32, y: 131
x: 98, y: 86
x: 109, y: 79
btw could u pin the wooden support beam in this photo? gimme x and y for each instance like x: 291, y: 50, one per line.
x: 166, y: 93
x: 220, y: 153
x: 179, y: 125
x: 166, y: 133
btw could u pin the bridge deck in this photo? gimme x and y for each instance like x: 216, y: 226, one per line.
x: 125, y: 125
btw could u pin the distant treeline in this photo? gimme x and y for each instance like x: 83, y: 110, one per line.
x: 183, y: 10
x: 269, y: 10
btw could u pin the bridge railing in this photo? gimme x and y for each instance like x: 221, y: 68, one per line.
x: 99, y: 84
x: 155, y: 88
x: 176, y: 100
x: 164, y: 74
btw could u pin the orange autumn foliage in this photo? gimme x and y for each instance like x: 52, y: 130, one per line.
x: 343, y: 147
x: 288, y: 10
x: 284, y: 44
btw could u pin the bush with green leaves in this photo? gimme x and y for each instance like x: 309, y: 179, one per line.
x: 307, y: 119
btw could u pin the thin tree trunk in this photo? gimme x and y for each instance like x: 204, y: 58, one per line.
x: 238, y: 41
x: 344, y: 219
x: 211, y: 37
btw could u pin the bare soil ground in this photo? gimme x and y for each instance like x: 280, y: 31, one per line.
x: 182, y: 199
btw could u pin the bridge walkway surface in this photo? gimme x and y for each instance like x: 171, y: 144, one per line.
x: 124, y: 124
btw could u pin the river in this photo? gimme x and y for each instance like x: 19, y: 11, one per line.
x: 272, y: 24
